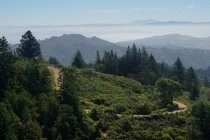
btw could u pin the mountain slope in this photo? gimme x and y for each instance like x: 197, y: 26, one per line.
x: 64, y: 47
x: 164, y: 48
x: 197, y: 58
x: 171, y: 41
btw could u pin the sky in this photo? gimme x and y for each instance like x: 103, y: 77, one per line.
x: 73, y: 12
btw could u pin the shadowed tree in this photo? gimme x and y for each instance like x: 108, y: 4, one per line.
x: 29, y: 47
x: 78, y: 60
x: 168, y: 89
x: 179, y: 71
x: 6, y: 64
x: 192, y: 83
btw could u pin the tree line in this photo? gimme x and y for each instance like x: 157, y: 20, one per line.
x: 141, y: 66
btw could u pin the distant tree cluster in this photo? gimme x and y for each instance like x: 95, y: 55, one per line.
x: 139, y: 65
x: 136, y: 63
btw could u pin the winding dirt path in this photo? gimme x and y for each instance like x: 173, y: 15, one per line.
x: 181, y: 107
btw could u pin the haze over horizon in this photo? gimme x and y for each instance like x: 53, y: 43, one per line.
x: 46, y: 18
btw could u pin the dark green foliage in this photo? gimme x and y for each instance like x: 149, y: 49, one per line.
x: 54, y: 61
x: 95, y: 114
x: 144, y: 108
x: 66, y: 123
x: 6, y: 65
x: 136, y: 64
x: 206, y: 82
x: 29, y: 47
x: 168, y: 89
x: 68, y: 91
x: 36, y: 78
x: 98, y: 58
x: 192, y: 83
x: 179, y: 71
x: 200, y: 121
x: 110, y: 63
x: 9, y: 122
x: 78, y: 60
x: 126, y: 125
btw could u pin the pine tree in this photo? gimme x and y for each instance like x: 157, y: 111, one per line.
x: 6, y: 64
x: 54, y: 61
x: 134, y: 57
x: 179, y: 71
x: 110, y: 62
x: 29, y: 47
x: 78, y: 60
x: 199, y: 122
x: 98, y: 59
x: 192, y: 83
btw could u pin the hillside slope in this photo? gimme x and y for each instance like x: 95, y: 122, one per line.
x: 174, y: 41
x: 64, y: 47
x: 123, y: 108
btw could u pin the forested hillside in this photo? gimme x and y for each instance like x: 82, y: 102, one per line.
x: 130, y: 96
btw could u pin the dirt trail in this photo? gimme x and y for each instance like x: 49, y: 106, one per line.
x: 181, y: 107
x: 55, y: 72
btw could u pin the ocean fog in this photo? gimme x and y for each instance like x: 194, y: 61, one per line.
x: 112, y: 33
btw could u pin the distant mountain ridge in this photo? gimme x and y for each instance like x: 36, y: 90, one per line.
x: 64, y: 47
x: 172, y: 22
x: 168, y: 50
x: 174, y: 41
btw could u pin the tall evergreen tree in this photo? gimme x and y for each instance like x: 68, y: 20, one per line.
x: 200, y: 121
x: 98, y: 58
x: 6, y: 64
x: 192, y: 83
x: 179, y: 71
x: 29, y: 47
x: 134, y: 57
x: 54, y: 61
x: 78, y: 60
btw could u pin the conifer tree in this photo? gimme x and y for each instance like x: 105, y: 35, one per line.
x: 54, y: 61
x: 179, y: 71
x: 6, y: 64
x: 192, y: 83
x: 29, y: 47
x: 78, y: 60
x: 98, y: 59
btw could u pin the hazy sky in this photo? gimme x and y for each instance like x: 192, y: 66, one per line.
x: 63, y: 12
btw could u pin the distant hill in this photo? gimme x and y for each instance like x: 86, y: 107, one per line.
x: 174, y: 41
x: 192, y: 50
x: 198, y: 58
x: 64, y: 47
x: 172, y: 22
x: 164, y: 48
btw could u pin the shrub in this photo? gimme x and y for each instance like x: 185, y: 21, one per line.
x: 120, y: 108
